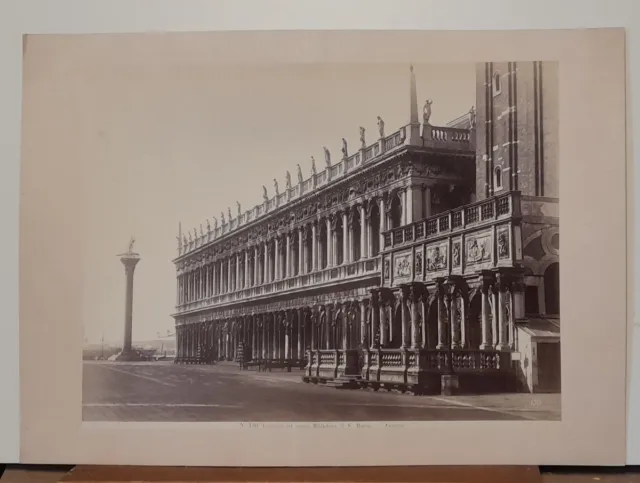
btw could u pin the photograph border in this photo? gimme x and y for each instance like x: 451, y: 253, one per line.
x: 592, y: 82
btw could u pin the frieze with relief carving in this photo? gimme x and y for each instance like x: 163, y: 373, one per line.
x: 478, y: 249
x: 437, y: 257
x: 402, y: 266
x: 456, y: 254
x: 503, y: 242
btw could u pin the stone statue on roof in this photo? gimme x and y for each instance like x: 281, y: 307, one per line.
x: 313, y: 166
x: 426, y: 111
x: 288, y: 178
x: 381, y: 126
x: 265, y: 196
x: 300, y: 174
x: 275, y: 186
x: 327, y: 157
x: 222, y: 217
x: 345, y: 153
x: 239, y: 208
x: 131, y: 242
x: 472, y: 117
x: 363, y: 143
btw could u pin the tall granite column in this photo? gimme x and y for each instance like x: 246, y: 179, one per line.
x: 129, y: 259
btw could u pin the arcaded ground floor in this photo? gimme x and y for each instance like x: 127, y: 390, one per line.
x: 159, y: 391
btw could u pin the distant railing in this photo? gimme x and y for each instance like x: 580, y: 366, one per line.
x: 502, y: 206
x: 368, y: 266
x: 439, y: 137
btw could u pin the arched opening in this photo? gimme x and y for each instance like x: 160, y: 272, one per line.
x: 374, y: 221
x: 432, y: 325
x: 357, y: 235
x: 395, y: 335
x: 396, y: 212
x: 497, y: 178
x: 552, y: 289
x: 474, y: 335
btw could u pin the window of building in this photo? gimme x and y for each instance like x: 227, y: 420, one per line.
x: 497, y: 83
x: 497, y: 178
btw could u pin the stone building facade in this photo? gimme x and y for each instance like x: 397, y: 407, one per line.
x: 401, y: 265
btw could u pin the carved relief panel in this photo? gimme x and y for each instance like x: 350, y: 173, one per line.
x: 504, y: 242
x: 402, y: 267
x: 478, y: 250
x: 437, y: 256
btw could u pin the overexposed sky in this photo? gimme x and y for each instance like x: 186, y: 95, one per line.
x: 169, y: 136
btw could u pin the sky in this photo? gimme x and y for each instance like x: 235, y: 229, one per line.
x: 174, y: 136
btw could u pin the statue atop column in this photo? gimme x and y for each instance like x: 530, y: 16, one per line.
x: 300, y: 180
x: 222, y: 217
x: 472, y: 117
x: 313, y: 166
x: 345, y: 153
x: 381, y: 127
x: 275, y: 187
x: 327, y: 157
x: 363, y: 143
x: 288, y: 178
x: 229, y: 213
x: 426, y: 112
x: 131, y: 242
x: 265, y: 196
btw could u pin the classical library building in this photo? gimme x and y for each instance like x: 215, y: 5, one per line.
x: 425, y: 261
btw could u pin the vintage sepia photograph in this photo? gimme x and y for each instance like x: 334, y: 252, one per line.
x: 231, y: 241
x: 320, y: 242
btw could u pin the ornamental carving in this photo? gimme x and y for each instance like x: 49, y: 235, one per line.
x: 503, y: 242
x: 386, y: 269
x: 402, y: 266
x: 418, y: 263
x: 455, y: 254
x: 437, y: 258
x: 478, y: 250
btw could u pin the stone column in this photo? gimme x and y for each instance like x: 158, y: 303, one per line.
x: 287, y: 342
x: 383, y: 323
x: 383, y: 221
x: 363, y: 324
x: 256, y: 266
x: 129, y: 260
x: 364, y: 235
x: 229, y: 274
x: 443, y: 301
x: 314, y: 248
x: 288, y: 270
x: 427, y: 202
x: 375, y: 319
x: 264, y: 337
x: 276, y: 265
x: 494, y: 294
x: 454, y: 319
x: 344, y: 323
x: 215, y: 278
x: 238, y: 281
x: 406, y: 331
x: 247, y: 272
x: 301, y: 334
x: 329, y: 315
x: 409, y: 203
x: 266, y: 277
x: 405, y: 216
x: 301, y: 250
x: 503, y: 294
x: 415, y: 316
x: 345, y: 238
x: 329, y: 244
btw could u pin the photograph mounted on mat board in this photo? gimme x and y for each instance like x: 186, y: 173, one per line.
x: 345, y: 243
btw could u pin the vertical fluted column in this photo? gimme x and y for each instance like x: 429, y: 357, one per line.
x: 256, y: 266
x: 287, y: 261
x: 276, y: 264
x: 247, y: 278
x: 383, y: 221
x: 409, y: 204
x: 363, y: 324
x: 329, y: 243
x: 383, y: 323
x: 454, y: 319
x: 375, y: 319
x: 314, y: 248
x: 364, y: 234
x: 345, y: 238
x: 494, y: 294
x: 415, y: 297
x: 443, y: 303
x: 406, y: 331
x: 503, y: 294
x: 266, y: 277
x: 228, y: 277
x: 301, y: 251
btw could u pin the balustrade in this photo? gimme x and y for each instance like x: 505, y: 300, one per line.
x: 472, y: 215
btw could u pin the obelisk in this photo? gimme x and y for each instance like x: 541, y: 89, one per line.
x: 129, y: 259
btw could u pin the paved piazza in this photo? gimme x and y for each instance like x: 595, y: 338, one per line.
x: 159, y: 391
